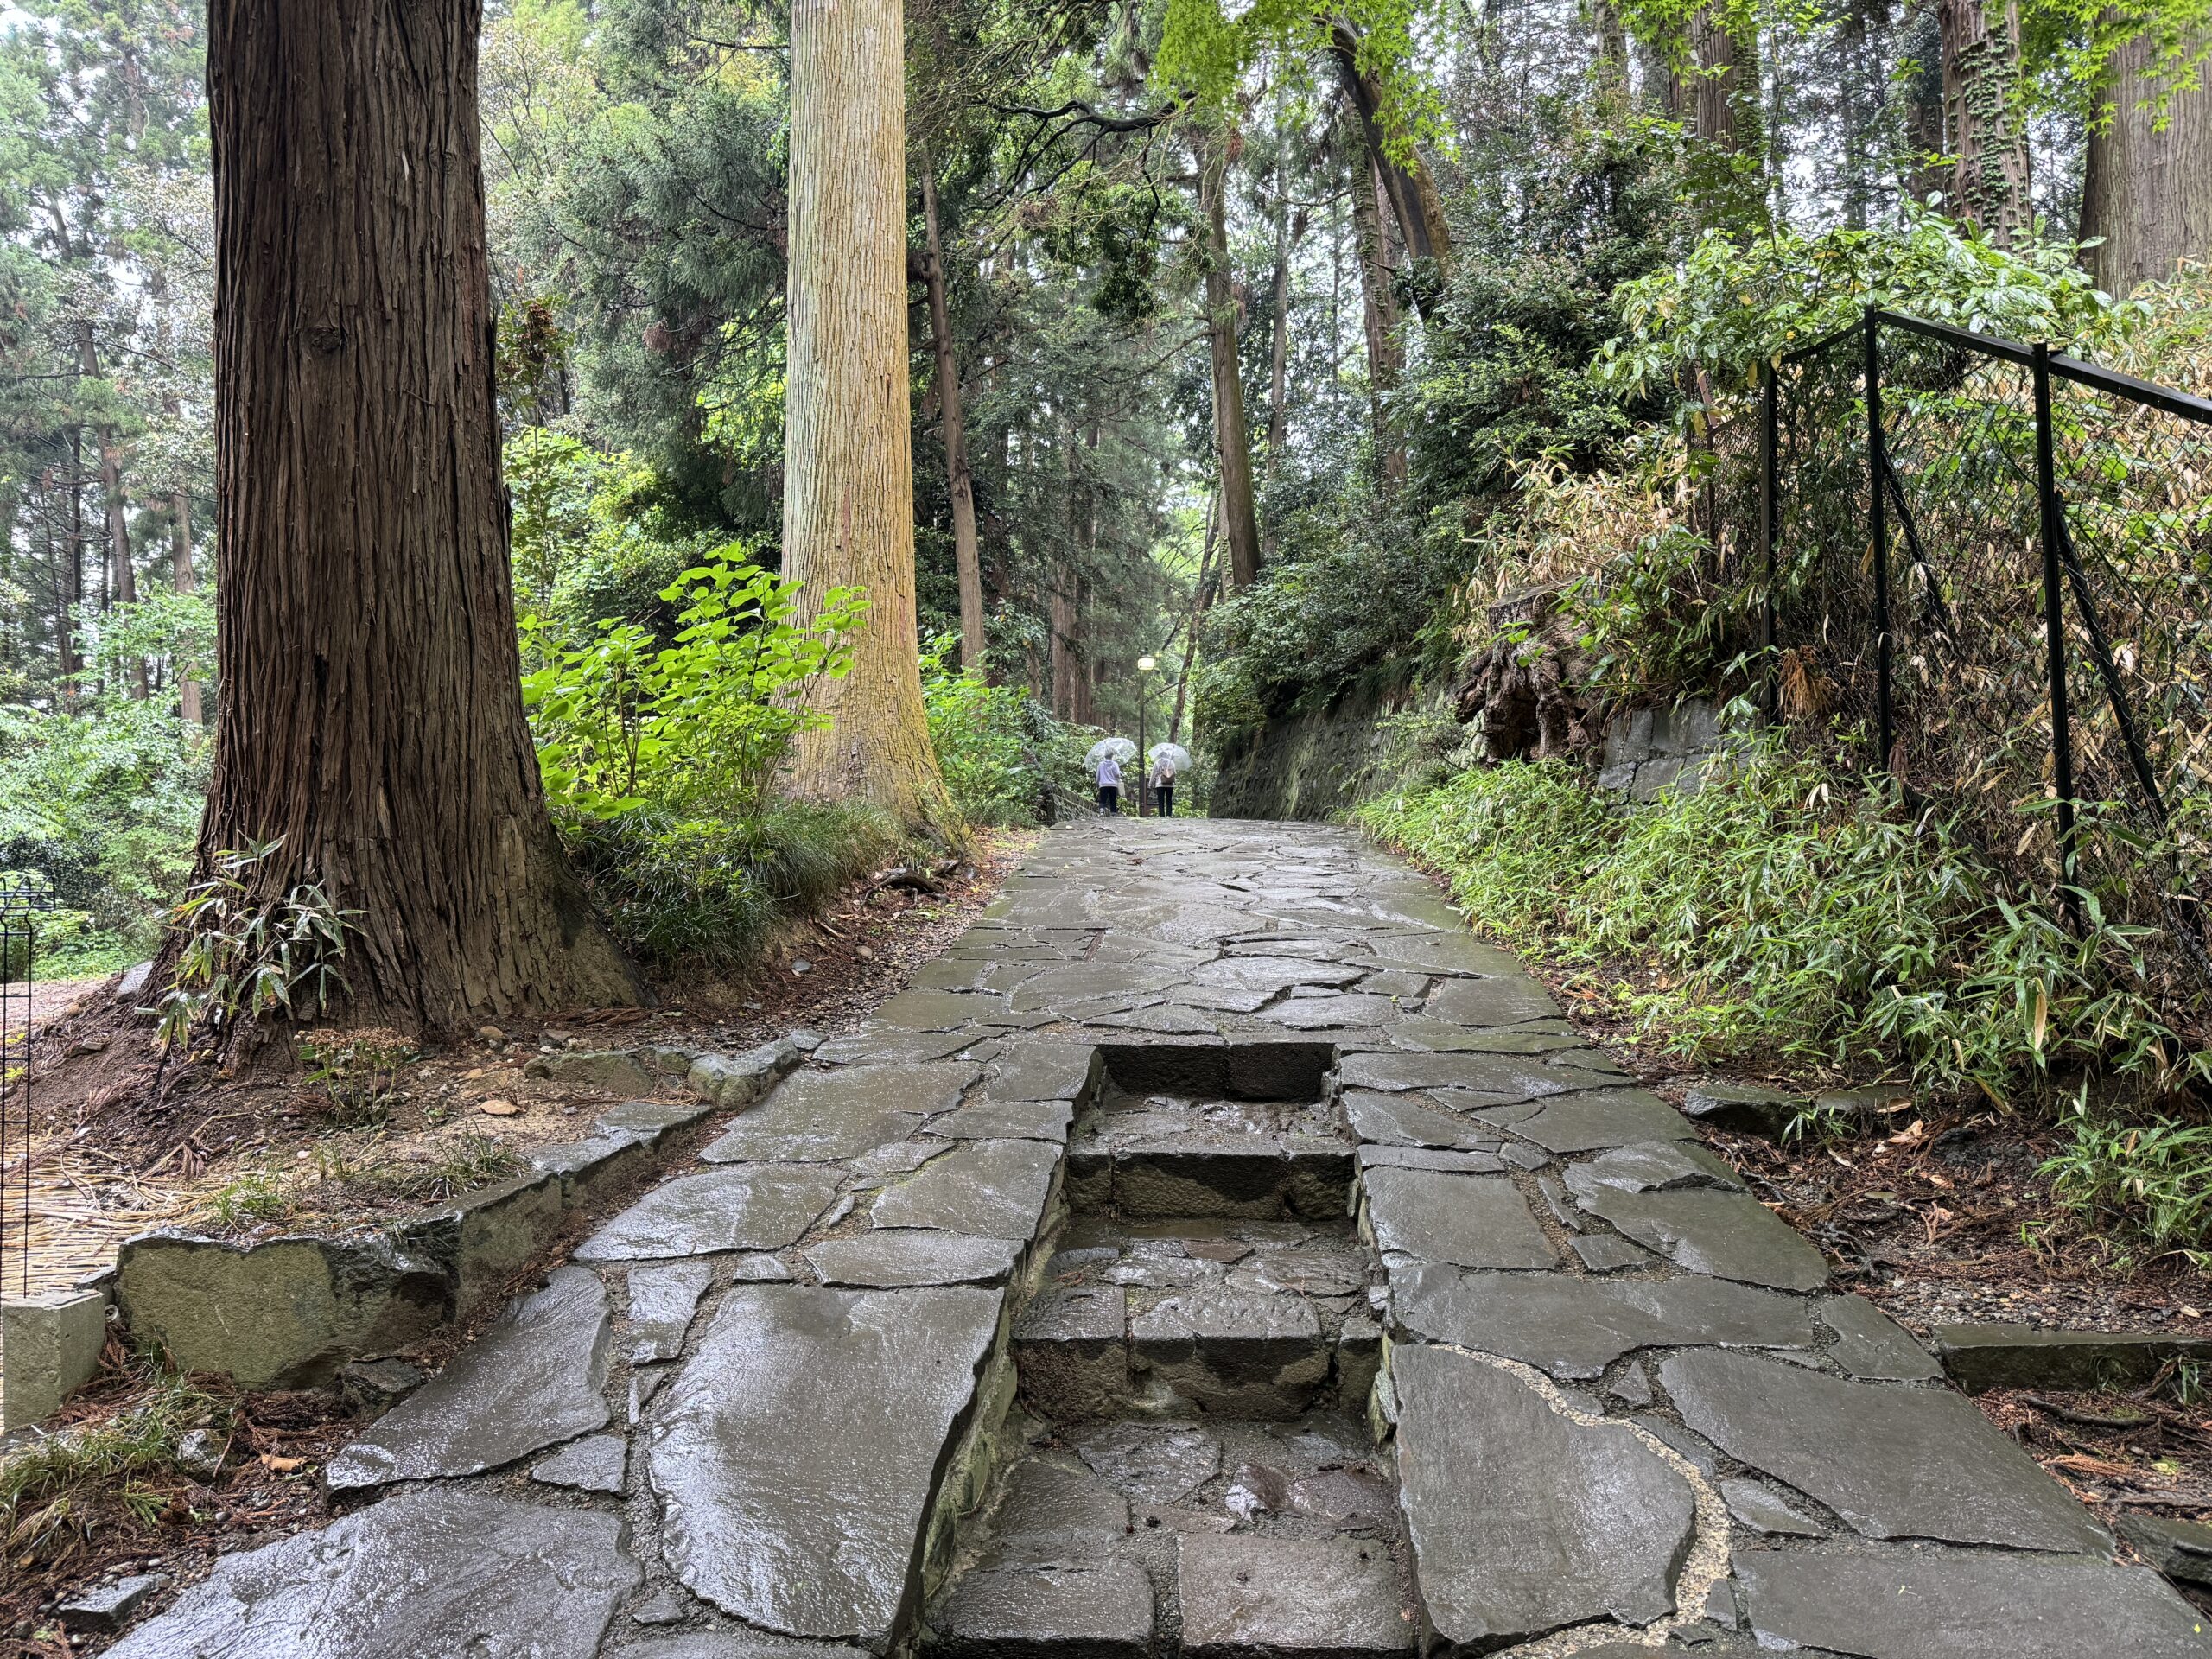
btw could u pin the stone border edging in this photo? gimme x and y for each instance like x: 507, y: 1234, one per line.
x: 289, y: 1312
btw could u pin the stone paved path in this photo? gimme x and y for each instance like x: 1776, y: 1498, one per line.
x: 1217, y: 1253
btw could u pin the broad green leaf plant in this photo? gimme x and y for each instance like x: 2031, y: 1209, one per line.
x: 698, y: 726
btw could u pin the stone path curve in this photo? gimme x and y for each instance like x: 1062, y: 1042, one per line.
x: 1029, y: 1319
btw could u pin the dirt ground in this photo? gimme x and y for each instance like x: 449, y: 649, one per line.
x: 364, y: 1122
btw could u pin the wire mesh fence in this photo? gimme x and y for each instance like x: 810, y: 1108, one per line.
x: 1986, y: 569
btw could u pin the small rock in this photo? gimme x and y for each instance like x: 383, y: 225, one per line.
x: 801, y: 966
x: 200, y: 1454
x: 1633, y: 1386
x: 496, y: 1108
x: 865, y: 954
x: 87, y: 1046
x: 377, y: 1385
x: 491, y: 1034
x: 1742, y: 1108
x: 109, y: 1606
x: 662, y: 1607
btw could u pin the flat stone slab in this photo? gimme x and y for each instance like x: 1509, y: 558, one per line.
x: 1930, y: 1602
x: 1330, y: 1013
x: 1506, y: 1001
x: 799, y: 1451
x: 987, y: 1189
x: 760, y: 1207
x: 1471, y: 1221
x: 1765, y: 1511
x: 1602, y: 1118
x: 663, y: 1298
x: 1603, y: 1253
x: 1242, y: 1595
x: 594, y: 1463
x: 1873, y: 1347
x: 823, y: 1117
x: 433, y: 1573
x: 1394, y: 1121
x: 1575, y: 1328
x: 1054, y: 1505
x: 1039, y: 1068
x: 1729, y: 1235
x: 1077, y: 1609
x: 1660, y: 1167
x: 1523, y: 1521
x: 535, y: 1378
x: 1007, y: 1120
x: 892, y: 1256
x: 2180, y: 1550
x: 1157, y: 1464
x: 1460, y: 1163
x: 1983, y: 1357
x: 1894, y: 1462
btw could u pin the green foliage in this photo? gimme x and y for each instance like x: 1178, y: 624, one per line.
x: 1728, y: 306
x: 710, y: 892
x: 64, y: 1486
x: 1782, y: 912
x: 700, y: 726
x: 242, y: 957
x: 358, y: 1071
x: 2150, y: 1180
x: 1342, y: 602
x: 593, y: 536
x: 1005, y: 757
x: 1205, y: 53
x: 105, y: 804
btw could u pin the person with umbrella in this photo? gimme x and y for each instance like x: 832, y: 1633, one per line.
x: 1167, y: 760
x: 1106, y: 757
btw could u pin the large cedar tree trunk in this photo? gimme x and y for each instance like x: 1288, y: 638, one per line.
x: 1379, y: 307
x: 370, y: 711
x: 848, y: 479
x: 1231, y: 440
x: 2148, y: 193
x: 1981, y: 118
x: 966, y: 553
x: 1415, y: 202
x: 191, y: 704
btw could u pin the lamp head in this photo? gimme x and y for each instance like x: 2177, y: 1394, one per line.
x: 1146, y: 665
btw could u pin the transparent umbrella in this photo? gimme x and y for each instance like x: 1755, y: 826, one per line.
x: 1173, y: 754
x: 1120, y: 747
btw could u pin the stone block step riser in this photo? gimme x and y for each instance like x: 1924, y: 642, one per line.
x: 1265, y: 1379
x: 1261, y: 1186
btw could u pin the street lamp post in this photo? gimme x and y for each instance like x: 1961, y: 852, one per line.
x: 1145, y: 665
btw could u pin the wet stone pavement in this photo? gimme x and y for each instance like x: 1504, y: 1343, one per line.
x: 1217, y: 1253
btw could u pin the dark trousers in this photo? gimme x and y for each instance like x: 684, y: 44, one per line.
x: 1166, y: 796
x: 1109, y: 799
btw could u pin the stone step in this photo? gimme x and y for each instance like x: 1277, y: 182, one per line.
x: 1262, y: 1320
x: 1235, y: 1540
x: 1159, y: 1157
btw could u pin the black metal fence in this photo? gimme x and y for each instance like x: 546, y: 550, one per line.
x: 1988, y: 565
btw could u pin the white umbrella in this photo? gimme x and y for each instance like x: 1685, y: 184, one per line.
x: 1120, y: 747
x: 1173, y: 754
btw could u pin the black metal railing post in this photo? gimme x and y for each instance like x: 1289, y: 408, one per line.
x: 1879, y: 525
x: 2049, y: 515
x: 1769, y: 455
